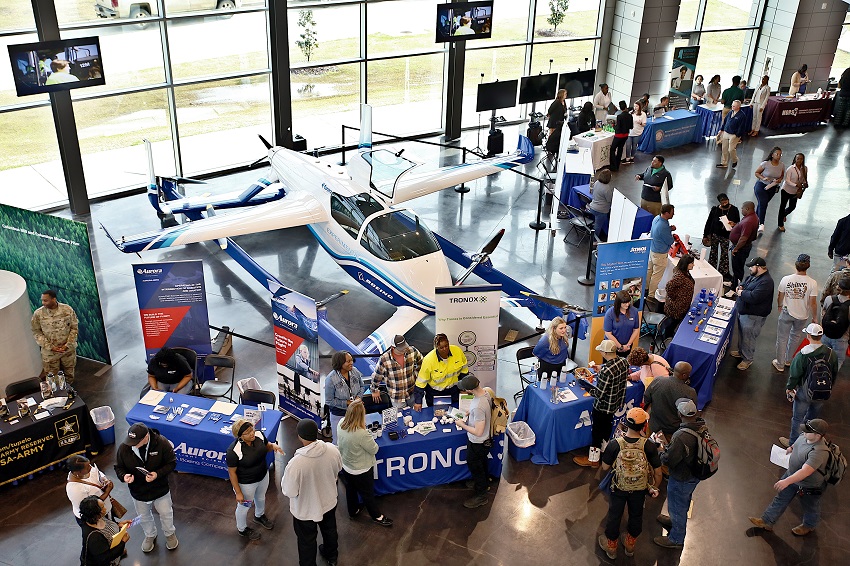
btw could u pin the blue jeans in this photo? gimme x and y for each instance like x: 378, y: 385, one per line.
x: 789, y: 335
x: 166, y: 515
x: 600, y: 222
x: 255, y: 492
x: 763, y: 198
x: 810, y: 503
x: 172, y: 387
x: 749, y: 328
x: 804, y: 409
x: 631, y: 146
x: 839, y: 346
x: 678, y: 501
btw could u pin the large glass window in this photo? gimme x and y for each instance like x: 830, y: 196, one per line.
x: 8, y: 95
x: 842, y: 54
x: 406, y: 94
x: 329, y: 33
x: 323, y: 99
x: 719, y: 54
x: 510, y: 22
x: 561, y: 19
x: 566, y: 57
x: 688, y: 10
x: 504, y: 63
x: 16, y: 14
x: 400, y: 27
x: 725, y: 14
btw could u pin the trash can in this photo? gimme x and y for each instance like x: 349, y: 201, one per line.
x: 521, y: 434
x: 104, y: 420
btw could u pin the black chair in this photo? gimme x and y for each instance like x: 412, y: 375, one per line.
x: 23, y: 388
x: 650, y: 320
x: 664, y: 332
x: 525, y: 353
x: 254, y: 397
x: 225, y: 375
x: 192, y: 359
x: 580, y: 222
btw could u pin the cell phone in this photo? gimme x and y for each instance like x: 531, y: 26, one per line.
x: 142, y: 470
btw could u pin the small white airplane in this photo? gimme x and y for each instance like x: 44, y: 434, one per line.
x: 353, y: 214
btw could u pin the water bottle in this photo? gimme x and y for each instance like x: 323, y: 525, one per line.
x: 61, y: 382
x: 46, y: 390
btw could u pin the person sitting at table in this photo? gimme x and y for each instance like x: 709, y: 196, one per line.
x: 357, y: 449
x: 97, y: 535
x: 603, y: 193
x: 442, y: 368
x: 249, y: 475
x: 343, y: 385
x: 649, y: 366
x: 661, y: 108
x: 586, y: 118
x: 680, y: 289
x: 552, y: 349
x: 85, y: 479
x: 169, y: 371
x: 644, y: 102
x: 697, y: 92
x: 799, y: 81
x: 759, y: 101
x: 716, y: 235
x: 622, y: 324
x: 713, y: 91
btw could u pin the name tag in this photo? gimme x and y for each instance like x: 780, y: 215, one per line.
x: 153, y: 453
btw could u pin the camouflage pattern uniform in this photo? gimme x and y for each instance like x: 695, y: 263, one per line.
x: 56, y: 327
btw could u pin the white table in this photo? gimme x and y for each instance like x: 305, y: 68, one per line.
x: 705, y: 276
x: 599, y: 144
x: 20, y: 357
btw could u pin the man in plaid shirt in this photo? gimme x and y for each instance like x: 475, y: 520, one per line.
x: 398, y: 368
x: 609, y: 396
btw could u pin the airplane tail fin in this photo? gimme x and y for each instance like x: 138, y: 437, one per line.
x: 153, y: 189
x: 365, y: 143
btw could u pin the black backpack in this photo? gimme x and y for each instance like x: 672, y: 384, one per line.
x: 836, y: 319
x: 819, y: 377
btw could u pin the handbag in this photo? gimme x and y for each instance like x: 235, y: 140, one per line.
x: 118, y: 510
x: 799, y: 193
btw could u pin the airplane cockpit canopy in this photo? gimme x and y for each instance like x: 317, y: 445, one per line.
x: 387, y: 166
x: 398, y: 235
x: 351, y: 212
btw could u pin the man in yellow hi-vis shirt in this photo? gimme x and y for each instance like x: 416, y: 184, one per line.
x: 442, y: 368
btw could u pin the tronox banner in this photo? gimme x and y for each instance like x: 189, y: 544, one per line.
x: 682, y: 76
x: 469, y: 316
x: 173, y: 307
x: 296, y: 344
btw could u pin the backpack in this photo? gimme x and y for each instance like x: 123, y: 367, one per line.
x: 836, y: 319
x: 499, y: 413
x: 836, y: 465
x: 707, y: 454
x: 631, y: 468
x: 819, y: 377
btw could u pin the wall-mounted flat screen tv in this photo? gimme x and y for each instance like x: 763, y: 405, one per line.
x: 497, y: 95
x: 464, y: 20
x: 51, y: 66
x: 537, y: 88
x: 578, y: 84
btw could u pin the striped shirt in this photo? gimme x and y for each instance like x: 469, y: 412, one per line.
x: 442, y: 374
x: 400, y: 380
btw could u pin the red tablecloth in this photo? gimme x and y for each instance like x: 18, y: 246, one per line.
x: 781, y: 112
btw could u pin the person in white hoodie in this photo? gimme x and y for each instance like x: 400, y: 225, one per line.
x: 309, y: 481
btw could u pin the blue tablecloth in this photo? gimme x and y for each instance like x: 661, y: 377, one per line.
x: 562, y: 427
x: 643, y: 219
x: 675, y: 128
x: 711, y: 119
x: 417, y: 461
x: 703, y: 356
x: 200, y: 449
x: 570, y: 181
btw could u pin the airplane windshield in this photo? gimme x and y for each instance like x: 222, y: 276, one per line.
x: 397, y: 236
x: 351, y: 212
x: 387, y: 167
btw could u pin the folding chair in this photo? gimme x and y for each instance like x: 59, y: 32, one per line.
x: 254, y: 397
x: 664, y: 332
x: 192, y: 359
x: 580, y: 222
x: 222, y: 385
x: 650, y: 320
x: 523, y: 354
x: 23, y: 388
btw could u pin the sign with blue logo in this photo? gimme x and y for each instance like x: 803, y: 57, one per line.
x: 620, y: 266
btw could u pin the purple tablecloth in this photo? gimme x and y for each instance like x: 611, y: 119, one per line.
x: 784, y: 112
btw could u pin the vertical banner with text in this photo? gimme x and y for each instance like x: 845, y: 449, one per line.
x: 296, y: 344
x: 620, y: 266
x: 173, y: 306
x: 682, y: 76
x: 469, y: 316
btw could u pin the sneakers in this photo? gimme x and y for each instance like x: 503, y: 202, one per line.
x: 801, y: 530
x: 328, y: 560
x: 734, y: 165
x: 264, y: 521
x: 384, y: 521
x: 745, y: 364
x: 171, y: 541
x: 779, y: 367
x: 667, y: 543
x: 148, y: 544
x: 735, y: 354
x: 608, y: 546
x: 665, y: 521
x: 784, y: 442
x: 249, y: 533
x: 720, y: 166
x: 470, y: 484
x: 354, y: 516
x: 585, y: 462
x: 629, y: 544
x: 476, y: 501
x: 760, y: 524
x: 761, y: 229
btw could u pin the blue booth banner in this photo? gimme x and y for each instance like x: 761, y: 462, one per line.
x: 296, y: 343
x: 173, y: 306
x: 620, y: 265
x: 682, y: 77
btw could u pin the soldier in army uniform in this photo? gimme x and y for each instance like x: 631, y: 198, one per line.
x: 54, y: 326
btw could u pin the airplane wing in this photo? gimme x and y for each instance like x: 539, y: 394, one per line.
x: 296, y: 209
x: 400, y: 322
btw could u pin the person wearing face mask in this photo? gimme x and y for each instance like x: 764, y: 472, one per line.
x: 804, y: 477
x: 661, y: 397
x: 716, y: 235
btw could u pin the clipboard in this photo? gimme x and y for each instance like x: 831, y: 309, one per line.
x: 116, y: 539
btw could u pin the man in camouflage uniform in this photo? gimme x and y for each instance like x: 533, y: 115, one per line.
x: 54, y: 326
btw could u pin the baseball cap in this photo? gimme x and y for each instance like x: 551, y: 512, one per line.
x: 757, y: 261
x: 818, y: 426
x: 607, y: 346
x: 844, y: 283
x: 468, y: 383
x: 814, y: 329
x: 136, y: 433
x: 399, y: 343
x: 804, y: 258
x: 686, y: 407
x: 307, y: 429
x: 637, y: 416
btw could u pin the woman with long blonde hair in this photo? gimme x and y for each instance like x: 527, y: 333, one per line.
x: 552, y: 350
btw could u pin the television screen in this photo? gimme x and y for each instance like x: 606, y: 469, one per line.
x: 537, y: 88
x: 493, y: 96
x: 464, y: 20
x: 578, y: 84
x: 50, y: 66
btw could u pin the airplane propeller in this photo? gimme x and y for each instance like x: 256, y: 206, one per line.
x: 558, y: 303
x: 263, y: 158
x: 482, y: 256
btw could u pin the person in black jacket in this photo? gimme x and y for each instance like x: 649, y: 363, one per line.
x: 622, y: 128
x: 143, y: 462
x: 586, y: 118
x: 839, y: 243
x: 755, y: 303
x: 97, y: 535
x: 653, y: 179
x: 716, y: 235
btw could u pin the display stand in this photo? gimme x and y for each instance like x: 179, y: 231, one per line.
x: 495, y: 138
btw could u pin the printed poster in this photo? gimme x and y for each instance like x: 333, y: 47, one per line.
x: 682, y: 76
x: 296, y: 342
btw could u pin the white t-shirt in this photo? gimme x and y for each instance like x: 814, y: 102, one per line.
x: 639, y: 122
x: 78, y: 491
x: 798, y: 289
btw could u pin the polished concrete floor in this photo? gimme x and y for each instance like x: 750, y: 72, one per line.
x: 540, y: 514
